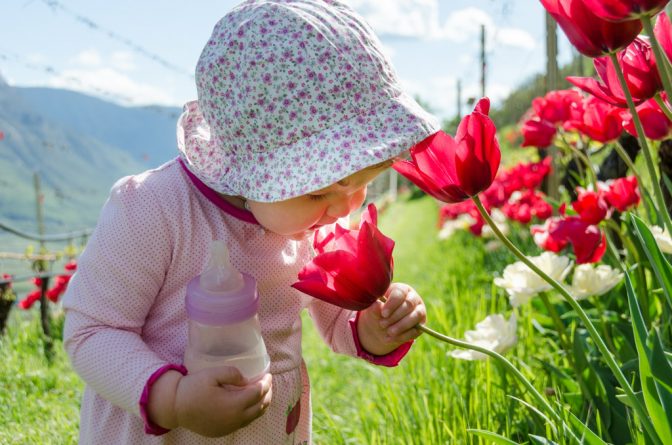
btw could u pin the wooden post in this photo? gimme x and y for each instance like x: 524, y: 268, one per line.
x: 41, y: 266
x: 459, y: 100
x: 483, y: 61
x: 553, y: 182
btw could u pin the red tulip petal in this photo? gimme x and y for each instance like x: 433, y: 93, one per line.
x: 447, y: 193
x: 663, y: 33
x: 350, y: 281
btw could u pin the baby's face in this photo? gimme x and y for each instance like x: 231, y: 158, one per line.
x: 299, y: 217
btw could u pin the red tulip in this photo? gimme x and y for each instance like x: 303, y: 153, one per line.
x: 588, y: 242
x: 591, y: 206
x: 622, y: 193
x: 591, y: 35
x: 654, y: 121
x: 451, y: 170
x: 598, y: 120
x: 555, y: 106
x: 663, y: 33
x: 639, y: 68
x: 619, y: 10
x: 538, y: 133
x: 352, y: 268
x: 523, y: 206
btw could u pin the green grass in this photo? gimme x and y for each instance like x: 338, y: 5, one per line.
x: 39, y: 404
x: 430, y: 398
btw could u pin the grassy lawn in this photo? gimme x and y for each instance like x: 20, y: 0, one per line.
x: 430, y: 398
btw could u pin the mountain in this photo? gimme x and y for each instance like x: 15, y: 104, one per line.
x: 79, y: 146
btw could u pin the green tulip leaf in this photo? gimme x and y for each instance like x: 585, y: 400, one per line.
x: 657, y: 399
x: 587, y: 435
x: 494, y: 437
x: 541, y: 440
x: 660, y: 365
x: 661, y: 267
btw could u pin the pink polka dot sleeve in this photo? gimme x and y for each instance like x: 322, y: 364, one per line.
x: 120, y: 273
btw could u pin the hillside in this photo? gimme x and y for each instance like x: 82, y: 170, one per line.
x: 79, y: 146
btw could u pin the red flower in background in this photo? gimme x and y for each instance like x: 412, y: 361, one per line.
x: 537, y: 133
x: 523, y: 206
x: 591, y: 206
x: 588, y: 242
x: 452, y: 170
x: 619, y: 10
x: 639, y: 68
x: 555, y: 106
x: 53, y: 294
x: 654, y: 121
x: 589, y: 34
x: 352, y: 268
x: 622, y: 193
x: 596, y: 119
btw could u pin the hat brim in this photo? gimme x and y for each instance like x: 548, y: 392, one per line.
x: 311, y: 163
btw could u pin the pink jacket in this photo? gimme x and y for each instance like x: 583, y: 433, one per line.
x: 125, y: 315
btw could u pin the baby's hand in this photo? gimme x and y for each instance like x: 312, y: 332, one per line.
x: 217, y: 401
x: 383, y: 327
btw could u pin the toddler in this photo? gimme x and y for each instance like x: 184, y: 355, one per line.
x: 298, y: 110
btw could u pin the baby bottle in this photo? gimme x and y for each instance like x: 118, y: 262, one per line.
x: 224, y: 328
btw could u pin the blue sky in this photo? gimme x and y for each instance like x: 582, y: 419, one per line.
x: 142, y: 52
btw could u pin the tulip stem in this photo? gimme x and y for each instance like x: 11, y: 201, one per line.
x: 663, y: 106
x: 590, y: 327
x: 657, y: 191
x: 661, y: 59
x: 507, y: 364
x: 626, y: 158
x: 584, y: 158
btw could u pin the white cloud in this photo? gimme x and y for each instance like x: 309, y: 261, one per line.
x: 465, y: 24
x: 406, y: 18
x: 111, y: 85
x: 88, y: 57
x: 122, y: 60
x: 516, y: 37
x: 420, y: 19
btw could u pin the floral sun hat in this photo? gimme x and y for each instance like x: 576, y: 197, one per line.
x: 294, y: 95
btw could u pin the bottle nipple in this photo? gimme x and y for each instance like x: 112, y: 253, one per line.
x: 220, y: 275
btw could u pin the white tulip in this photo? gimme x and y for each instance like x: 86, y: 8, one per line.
x: 500, y: 221
x: 522, y: 283
x: 662, y: 238
x: 462, y: 222
x: 597, y: 281
x: 493, y: 333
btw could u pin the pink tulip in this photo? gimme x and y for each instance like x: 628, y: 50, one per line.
x: 352, y: 268
x: 591, y: 35
x: 452, y: 170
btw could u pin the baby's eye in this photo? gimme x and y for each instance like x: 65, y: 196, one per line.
x: 317, y: 197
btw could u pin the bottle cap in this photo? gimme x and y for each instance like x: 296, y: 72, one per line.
x: 221, y: 294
